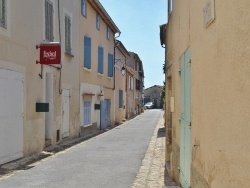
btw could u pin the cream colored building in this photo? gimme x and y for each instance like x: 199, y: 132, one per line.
x: 24, y: 84
x: 207, y: 93
x: 135, y: 63
x: 97, y: 44
x: 121, y: 56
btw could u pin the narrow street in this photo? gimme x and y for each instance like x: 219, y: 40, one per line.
x: 112, y: 159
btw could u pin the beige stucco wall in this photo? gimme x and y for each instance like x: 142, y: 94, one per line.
x: 98, y: 38
x: 120, y: 84
x: 219, y: 90
x: 18, y: 53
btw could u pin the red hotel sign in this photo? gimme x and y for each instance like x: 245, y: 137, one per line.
x: 50, y: 53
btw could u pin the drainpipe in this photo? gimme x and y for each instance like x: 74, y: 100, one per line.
x: 115, y: 37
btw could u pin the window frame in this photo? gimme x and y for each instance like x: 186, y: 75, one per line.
x: 3, y: 14
x: 49, y: 22
x: 108, y: 32
x: 98, y: 21
x: 84, y: 7
x: 68, y: 42
x: 87, y: 108
x: 87, y: 53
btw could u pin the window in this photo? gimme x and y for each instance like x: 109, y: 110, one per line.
x: 100, y: 60
x: 86, y: 112
x: 49, y: 21
x: 131, y: 83
x: 120, y: 99
x: 135, y: 66
x: 108, y: 32
x: 67, y: 34
x: 110, y: 65
x: 87, y: 52
x: 84, y: 7
x: 98, y: 21
x: 138, y: 84
x: 3, y: 14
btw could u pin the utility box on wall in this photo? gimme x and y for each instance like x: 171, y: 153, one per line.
x: 42, y: 107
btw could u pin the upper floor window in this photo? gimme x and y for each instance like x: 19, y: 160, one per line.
x: 108, y: 32
x: 110, y: 65
x: 98, y: 22
x: 67, y: 33
x: 84, y: 7
x: 49, y: 21
x: 3, y: 14
x: 87, y: 52
x: 100, y: 60
x: 136, y: 66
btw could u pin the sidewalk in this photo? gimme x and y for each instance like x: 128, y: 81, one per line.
x: 152, y: 173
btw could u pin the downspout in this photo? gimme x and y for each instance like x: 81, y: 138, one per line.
x: 60, y: 40
x: 115, y: 37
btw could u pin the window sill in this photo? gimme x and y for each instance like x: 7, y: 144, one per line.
x: 68, y: 54
x: 88, y: 125
x: 86, y: 69
x: 99, y: 74
x: 110, y: 77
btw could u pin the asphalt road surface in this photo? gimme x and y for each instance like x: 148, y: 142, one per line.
x: 109, y: 160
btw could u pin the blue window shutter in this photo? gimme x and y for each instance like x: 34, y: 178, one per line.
x: 110, y: 65
x: 120, y: 99
x: 87, y: 52
x: 100, y: 60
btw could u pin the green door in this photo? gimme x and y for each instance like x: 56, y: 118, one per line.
x: 185, y: 120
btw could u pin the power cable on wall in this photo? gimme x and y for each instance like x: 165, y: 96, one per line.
x: 60, y: 39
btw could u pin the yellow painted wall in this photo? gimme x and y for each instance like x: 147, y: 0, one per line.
x: 219, y: 92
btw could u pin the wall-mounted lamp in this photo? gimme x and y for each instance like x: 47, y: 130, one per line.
x: 123, y: 70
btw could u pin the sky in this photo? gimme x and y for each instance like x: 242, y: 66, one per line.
x: 139, y: 22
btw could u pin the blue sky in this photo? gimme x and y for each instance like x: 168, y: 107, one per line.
x: 139, y: 21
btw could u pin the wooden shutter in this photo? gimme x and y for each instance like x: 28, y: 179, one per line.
x: 120, y: 99
x: 2, y: 13
x: 110, y: 65
x: 49, y: 21
x: 87, y: 52
x: 67, y: 34
x: 100, y: 60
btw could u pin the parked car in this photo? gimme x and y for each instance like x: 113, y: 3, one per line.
x: 149, y: 105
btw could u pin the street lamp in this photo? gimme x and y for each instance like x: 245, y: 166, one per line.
x: 123, y: 70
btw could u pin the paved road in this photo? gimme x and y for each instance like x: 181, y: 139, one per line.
x: 110, y: 160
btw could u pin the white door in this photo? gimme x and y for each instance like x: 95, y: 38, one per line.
x: 65, y: 98
x: 11, y: 115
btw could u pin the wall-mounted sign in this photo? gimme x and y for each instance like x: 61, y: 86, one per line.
x: 50, y: 53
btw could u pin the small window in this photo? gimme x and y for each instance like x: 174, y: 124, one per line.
x: 84, y: 7
x: 100, y: 60
x: 120, y: 99
x: 67, y: 34
x: 98, y: 22
x: 110, y: 65
x: 3, y: 14
x: 49, y: 21
x: 87, y: 52
x: 108, y: 32
x: 86, y: 112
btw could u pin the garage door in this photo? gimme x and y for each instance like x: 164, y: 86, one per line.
x: 11, y: 115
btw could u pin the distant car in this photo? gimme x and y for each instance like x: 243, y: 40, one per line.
x: 149, y: 105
